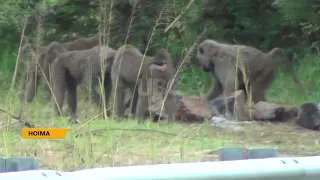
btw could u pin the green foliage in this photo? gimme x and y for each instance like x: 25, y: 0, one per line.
x: 191, y: 79
x: 7, y: 66
x: 293, y: 25
x: 303, y: 14
x: 259, y: 23
x: 284, y: 90
x: 299, y: 10
x: 171, y: 24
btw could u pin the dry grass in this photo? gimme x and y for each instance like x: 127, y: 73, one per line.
x: 127, y: 143
x: 113, y: 143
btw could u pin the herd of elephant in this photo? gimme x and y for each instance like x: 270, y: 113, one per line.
x: 84, y: 62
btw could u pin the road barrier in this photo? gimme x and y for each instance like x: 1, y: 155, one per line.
x: 298, y: 168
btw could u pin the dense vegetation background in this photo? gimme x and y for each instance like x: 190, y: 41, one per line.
x: 293, y: 25
x: 174, y: 24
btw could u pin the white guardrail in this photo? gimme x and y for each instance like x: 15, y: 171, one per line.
x: 299, y: 168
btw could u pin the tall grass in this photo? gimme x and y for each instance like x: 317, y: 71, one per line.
x: 107, y: 142
x: 7, y: 66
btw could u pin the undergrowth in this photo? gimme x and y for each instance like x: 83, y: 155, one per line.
x: 98, y: 143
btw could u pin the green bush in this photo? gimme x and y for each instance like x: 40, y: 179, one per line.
x: 292, y: 25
